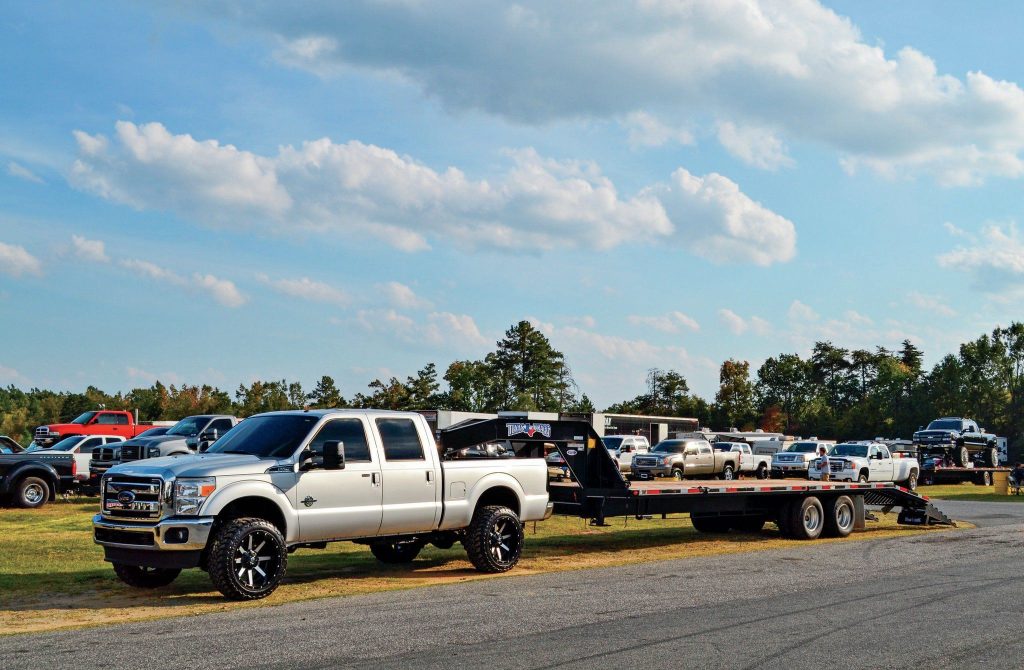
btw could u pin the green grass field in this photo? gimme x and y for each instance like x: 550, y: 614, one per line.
x: 52, y: 575
x: 971, y: 492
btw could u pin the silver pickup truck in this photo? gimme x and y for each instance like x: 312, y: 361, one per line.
x: 287, y: 480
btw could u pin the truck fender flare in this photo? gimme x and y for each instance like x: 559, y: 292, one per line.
x: 492, y: 481
x: 223, y: 497
x: 37, y: 468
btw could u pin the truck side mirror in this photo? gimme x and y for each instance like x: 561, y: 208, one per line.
x: 206, y: 439
x: 334, y: 455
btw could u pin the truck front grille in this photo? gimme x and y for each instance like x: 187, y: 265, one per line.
x: 132, y: 452
x: 132, y: 497
x: 104, y: 454
x: 647, y: 462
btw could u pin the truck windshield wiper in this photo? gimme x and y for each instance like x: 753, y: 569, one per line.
x: 244, y: 453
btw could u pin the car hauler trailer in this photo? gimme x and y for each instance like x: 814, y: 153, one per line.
x: 597, y: 490
x: 940, y: 474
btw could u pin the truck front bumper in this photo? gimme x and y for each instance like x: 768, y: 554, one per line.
x: 171, y: 543
x: 651, y: 473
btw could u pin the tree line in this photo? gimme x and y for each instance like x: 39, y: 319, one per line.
x: 834, y: 392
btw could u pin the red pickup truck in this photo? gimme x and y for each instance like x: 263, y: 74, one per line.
x: 100, y: 422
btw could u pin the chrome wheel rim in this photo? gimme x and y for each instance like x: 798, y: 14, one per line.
x: 812, y: 519
x: 677, y: 475
x: 844, y: 516
x: 256, y: 561
x: 727, y: 475
x: 34, y: 494
x: 500, y: 540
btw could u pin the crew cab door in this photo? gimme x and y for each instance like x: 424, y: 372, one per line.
x: 412, y: 494
x: 705, y: 460
x: 880, y: 465
x: 346, y: 503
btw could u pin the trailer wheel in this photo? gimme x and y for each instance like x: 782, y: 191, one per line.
x: 145, y: 578
x: 992, y: 457
x: 839, y: 516
x: 248, y: 559
x: 807, y: 519
x: 396, y: 552
x: 31, y: 492
x: 961, y: 456
x: 984, y: 479
x: 727, y: 472
x: 706, y: 523
x: 494, y: 540
x: 677, y: 474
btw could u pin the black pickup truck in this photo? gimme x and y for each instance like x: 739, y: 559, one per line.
x: 31, y: 479
x: 957, y: 438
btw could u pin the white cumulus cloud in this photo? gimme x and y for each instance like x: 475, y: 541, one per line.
x: 308, y: 289
x: 89, y: 250
x: 223, y: 291
x: 402, y: 296
x: 21, y: 172
x: 16, y: 261
x: 754, y: 146
x: 995, y: 262
x: 671, y: 322
x: 321, y: 186
x: 797, y: 67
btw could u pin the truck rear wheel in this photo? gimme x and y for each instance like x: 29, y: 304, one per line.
x: 992, y: 457
x: 961, y: 456
x: 763, y: 472
x: 912, y: 480
x: 248, y: 559
x: 145, y: 578
x: 396, y: 552
x: 839, y: 515
x: 728, y: 472
x: 31, y: 492
x: 494, y: 539
x: 807, y: 519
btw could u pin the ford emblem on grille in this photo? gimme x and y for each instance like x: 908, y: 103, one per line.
x: 126, y: 497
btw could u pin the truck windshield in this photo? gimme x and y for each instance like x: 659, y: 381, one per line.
x: 273, y: 436
x: 803, y: 448
x: 84, y: 418
x: 68, y: 443
x: 669, y: 447
x: 612, y: 443
x: 849, y: 450
x: 947, y: 424
x: 188, y: 426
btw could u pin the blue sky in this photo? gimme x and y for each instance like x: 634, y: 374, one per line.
x: 223, y: 192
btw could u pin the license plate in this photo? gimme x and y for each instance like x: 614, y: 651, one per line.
x: 644, y: 475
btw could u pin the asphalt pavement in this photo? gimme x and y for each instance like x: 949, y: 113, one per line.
x: 934, y: 600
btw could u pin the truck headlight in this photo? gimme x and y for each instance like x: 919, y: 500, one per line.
x: 153, y: 452
x: 190, y: 494
x: 667, y: 460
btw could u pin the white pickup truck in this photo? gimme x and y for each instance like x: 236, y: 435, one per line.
x: 287, y: 480
x: 759, y: 465
x: 867, y: 461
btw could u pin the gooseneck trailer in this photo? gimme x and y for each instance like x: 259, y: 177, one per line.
x: 598, y: 491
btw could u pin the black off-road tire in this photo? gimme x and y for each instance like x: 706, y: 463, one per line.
x: 807, y: 519
x: 992, y: 457
x: 145, y: 578
x: 394, y: 553
x: 710, y: 523
x: 961, y: 456
x: 31, y: 492
x: 494, y: 539
x: 840, y: 515
x: 257, y: 546
x: 764, y: 472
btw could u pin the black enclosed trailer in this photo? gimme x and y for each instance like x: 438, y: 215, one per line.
x: 597, y: 490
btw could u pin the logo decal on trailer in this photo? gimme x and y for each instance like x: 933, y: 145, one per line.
x: 530, y: 429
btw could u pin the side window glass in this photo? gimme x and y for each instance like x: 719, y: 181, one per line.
x: 224, y: 425
x: 90, y: 443
x: 348, y: 431
x: 400, y: 439
x: 114, y: 439
x: 106, y: 419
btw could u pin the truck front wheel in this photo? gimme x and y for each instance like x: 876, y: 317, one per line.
x: 248, y: 559
x: 31, y: 492
x: 992, y: 457
x: 494, y: 539
x: 961, y: 456
x: 396, y: 552
x: 145, y: 578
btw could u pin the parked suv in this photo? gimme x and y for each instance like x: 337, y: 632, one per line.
x: 795, y: 460
x: 624, y: 447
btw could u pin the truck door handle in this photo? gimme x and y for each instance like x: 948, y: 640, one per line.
x: 430, y: 476
x: 375, y: 479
